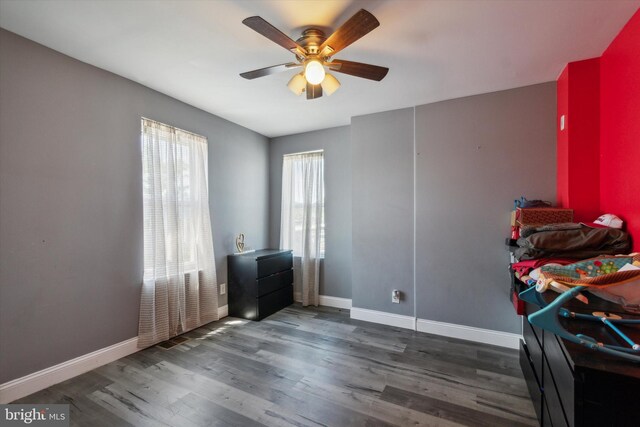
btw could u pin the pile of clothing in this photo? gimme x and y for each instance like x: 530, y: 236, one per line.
x: 545, y: 250
x: 571, y: 240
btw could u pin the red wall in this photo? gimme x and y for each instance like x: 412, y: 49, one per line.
x: 578, y: 150
x: 599, y: 150
x: 562, y: 141
x: 620, y: 128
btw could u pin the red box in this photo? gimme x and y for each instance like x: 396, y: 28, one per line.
x: 541, y: 216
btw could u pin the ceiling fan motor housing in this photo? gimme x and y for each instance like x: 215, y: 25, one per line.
x: 311, y: 40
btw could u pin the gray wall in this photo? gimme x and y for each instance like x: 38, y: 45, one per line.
x: 71, y: 201
x: 336, y: 143
x: 474, y: 156
x: 382, y: 174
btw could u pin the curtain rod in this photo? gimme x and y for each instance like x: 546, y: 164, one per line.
x: 175, y: 127
x: 304, y: 152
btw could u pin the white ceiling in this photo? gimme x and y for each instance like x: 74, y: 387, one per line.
x: 436, y: 50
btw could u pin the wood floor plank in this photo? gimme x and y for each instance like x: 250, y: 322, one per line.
x: 346, y: 334
x: 85, y: 412
x: 495, y: 403
x: 342, y: 332
x: 286, y: 395
x: 444, y: 409
x: 128, y: 408
x: 375, y: 360
x: 279, y: 389
x: 343, y: 348
x: 204, y: 412
x: 282, y: 413
x: 312, y: 366
x: 321, y: 366
x: 75, y: 387
x: 380, y: 409
x: 142, y: 385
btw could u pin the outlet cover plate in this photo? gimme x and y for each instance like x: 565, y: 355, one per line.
x: 395, y: 296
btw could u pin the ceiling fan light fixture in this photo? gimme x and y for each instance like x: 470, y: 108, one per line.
x: 330, y: 84
x: 314, y: 71
x: 297, y: 84
x: 314, y: 54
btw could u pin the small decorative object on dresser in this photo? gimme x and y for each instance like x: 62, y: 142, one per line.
x: 240, y: 243
x: 260, y: 283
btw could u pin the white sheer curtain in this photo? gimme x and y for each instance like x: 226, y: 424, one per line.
x: 179, y: 289
x: 302, y: 218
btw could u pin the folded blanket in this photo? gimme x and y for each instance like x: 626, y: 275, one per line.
x: 581, y: 243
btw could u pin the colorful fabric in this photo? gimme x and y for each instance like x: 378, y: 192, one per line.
x: 601, y: 271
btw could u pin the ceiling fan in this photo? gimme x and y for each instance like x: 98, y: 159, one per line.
x: 314, y: 51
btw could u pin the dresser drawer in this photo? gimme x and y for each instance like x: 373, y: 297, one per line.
x: 531, y: 332
x: 270, y: 303
x: 530, y: 309
x: 274, y: 264
x: 533, y: 382
x: 562, y: 374
x: 534, y: 345
x: 546, y: 417
x: 552, y: 391
x: 274, y: 282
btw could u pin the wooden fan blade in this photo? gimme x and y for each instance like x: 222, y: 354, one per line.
x: 269, y: 70
x: 357, y: 26
x: 313, y: 91
x: 358, y: 69
x: 261, y: 26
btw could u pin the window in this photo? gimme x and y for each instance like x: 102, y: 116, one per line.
x: 174, y: 177
x: 302, y: 222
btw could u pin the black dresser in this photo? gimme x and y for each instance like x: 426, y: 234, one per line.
x: 260, y: 283
x: 571, y: 385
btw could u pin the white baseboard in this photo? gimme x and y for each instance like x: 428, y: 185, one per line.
x: 390, y: 319
x: 327, y: 301
x: 36, y: 381
x: 336, y: 302
x: 469, y: 333
x: 223, y: 311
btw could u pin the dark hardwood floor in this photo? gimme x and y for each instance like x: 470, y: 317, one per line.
x: 302, y: 367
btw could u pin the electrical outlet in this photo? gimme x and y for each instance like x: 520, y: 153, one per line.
x: 223, y: 288
x: 395, y: 296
